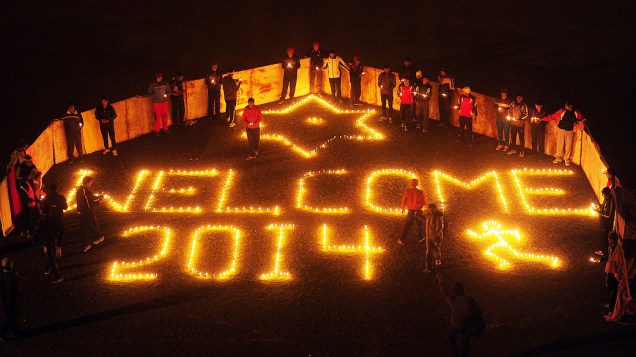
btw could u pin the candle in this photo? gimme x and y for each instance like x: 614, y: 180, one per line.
x: 444, y: 95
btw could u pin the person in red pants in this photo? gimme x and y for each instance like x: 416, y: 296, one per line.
x: 160, y: 92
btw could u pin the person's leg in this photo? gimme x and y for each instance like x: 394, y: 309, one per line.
x: 175, y: 110
x: 70, y: 144
x: 164, y: 115
x: 569, y: 138
x: 506, y: 134
x: 453, y: 342
x: 612, y: 289
x: 51, y: 262
x: 210, y: 104
x: 385, y: 101
x: 410, y: 216
x: 230, y: 108
x: 104, y: 130
x: 390, y: 99
x: 403, y: 115
x: 111, y: 134
x: 534, y: 134
x: 78, y: 142
x: 292, y: 87
x: 418, y: 220
x: 462, y: 124
x: 418, y: 113
x: 500, y: 127
x: 465, y: 338
x: 258, y: 139
x: 560, y: 143
x: 156, y: 108
x: 339, y: 88
x: 332, y: 85
x: 283, y: 92
x: 312, y: 80
x: 425, y: 115
x: 428, y: 256
x: 522, y: 139
x: 469, y: 125
x: 358, y: 94
x: 217, y: 103
x: 541, y: 139
x: 319, y: 81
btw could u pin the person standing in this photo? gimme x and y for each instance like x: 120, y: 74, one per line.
x: 86, y: 203
x: 518, y: 115
x: 568, y: 120
x: 606, y: 218
x: 467, y: 105
x: 29, y: 196
x: 48, y: 233
x: 105, y: 114
x: 73, y: 123
x: 316, y: 61
x: 445, y: 96
x: 406, y: 71
x: 423, y: 91
x: 356, y: 71
x: 56, y: 204
x: 538, y: 128
x: 502, y: 104
x: 230, y: 90
x: 333, y: 64
x: 413, y: 200
x: 405, y: 92
x: 213, y: 82
x: 9, y: 279
x: 159, y: 90
x: 290, y: 65
x: 176, y: 98
x: 252, y: 118
x: 433, y: 222
x: 386, y: 83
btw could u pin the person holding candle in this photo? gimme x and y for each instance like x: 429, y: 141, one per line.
x: 568, y: 119
x: 159, y: 90
x: 356, y: 71
x: 86, y: 203
x: 445, y: 96
x: 290, y: 65
x: 73, y: 123
x: 176, y: 98
x: 230, y: 90
x: 405, y: 92
x: 105, y: 114
x: 518, y: 115
x: 467, y: 106
x: 48, y: 234
x: 252, y: 118
x: 433, y: 222
x: 502, y: 104
x: 538, y: 128
x: 413, y: 200
x: 332, y: 65
x: 386, y: 83
x: 423, y: 91
x: 316, y: 61
x: 213, y: 82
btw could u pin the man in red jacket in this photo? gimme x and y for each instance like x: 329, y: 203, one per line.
x: 413, y: 200
x: 252, y: 118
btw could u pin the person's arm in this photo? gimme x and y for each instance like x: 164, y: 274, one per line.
x: 553, y: 116
x: 524, y: 112
x: 442, y: 226
x: 343, y: 64
x: 113, y: 113
x: 380, y: 80
x: 403, y: 204
x: 81, y: 119
x: 244, y: 117
x: 391, y: 82
x: 297, y: 65
x: 259, y: 116
x: 151, y: 90
x: 475, y: 107
x: 451, y: 82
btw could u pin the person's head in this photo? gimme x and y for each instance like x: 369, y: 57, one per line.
x: 612, y: 239
x: 7, y: 263
x: 538, y: 105
x: 356, y: 59
x: 87, y: 181
x: 418, y: 74
x: 458, y: 288
x: 606, y: 192
x: 466, y: 90
x: 504, y: 93
x: 387, y: 68
x: 332, y: 53
x: 519, y: 98
x: 22, y: 144
x: 214, y: 67
x: 104, y: 101
x: 230, y: 72
x: 250, y: 103
x: 432, y: 207
x: 290, y: 51
x: 28, y: 160
x: 70, y: 107
x: 407, y: 62
x: 414, y: 182
x: 407, y: 81
x: 52, y: 188
x: 179, y: 75
x: 442, y: 72
x: 569, y: 105
x: 610, y: 173
x: 158, y: 77
x: 316, y: 45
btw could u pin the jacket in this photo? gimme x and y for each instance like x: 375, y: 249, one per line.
x: 567, y: 119
x: 422, y: 91
x: 467, y: 106
x: 230, y: 88
x: 213, y: 81
x: 48, y: 231
x: 355, y: 73
x: 502, y: 106
x: 519, y: 113
x: 446, y: 85
x: 406, y: 94
x: 73, y: 120
x: 252, y: 117
x: 433, y: 224
x: 315, y: 58
x: 107, y: 113
x: 85, y: 200
x: 159, y: 91
x: 386, y: 82
x: 290, y: 66
x: 56, y: 204
x: 413, y: 199
x: 535, y: 117
x: 332, y: 65
x: 177, y: 87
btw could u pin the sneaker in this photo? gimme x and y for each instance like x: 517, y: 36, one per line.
x: 390, y: 120
x: 48, y: 271
x: 167, y: 132
x: 400, y: 242
x: 428, y: 270
x: 419, y: 126
x: 421, y: 239
x: 250, y: 157
x: 232, y: 124
x: 438, y: 262
x: 227, y: 119
x: 424, y: 130
x: 281, y: 101
x: 106, y: 151
x: 599, y: 252
x: 114, y: 152
x: 255, y: 153
x: 87, y: 248
x: 556, y: 161
x: 403, y: 125
x: 340, y: 100
x: 567, y: 163
x: 358, y: 104
x: 99, y: 240
x: 156, y: 133
x: 499, y: 147
x: 505, y: 148
x: 522, y: 154
x: 382, y: 118
x: 58, y: 280
x: 510, y: 152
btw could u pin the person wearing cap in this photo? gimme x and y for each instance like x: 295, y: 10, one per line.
x: 568, y: 119
x: 252, y: 118
x: 606, y: 211
x: 422, y: 91
x: 445, y: 96
x: 332, y: 65
x: 176, y: 98
x: 213, y: 82
x: 230, y: 90
x: 9, y: 280
x: 356, y: 71
x: 413, y: 200
x: 73, y: 123
x: 433, y: 222
x: 86, y: 203
x: 48, y: 234
x: 106, y: 114
x: 159, y: 90
x: 518, y: 115
x: 538, y: 128
x: 467, y: 106
x: 405, y: 92
x: 316, y: 61
x: 290, y: 66
x: 386, y: 83
x: 502, y: 104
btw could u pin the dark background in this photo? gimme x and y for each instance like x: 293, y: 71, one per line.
x: 56, y: 52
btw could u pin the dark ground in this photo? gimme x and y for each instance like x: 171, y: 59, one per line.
x: 326, y: 308
x: 56, y: 52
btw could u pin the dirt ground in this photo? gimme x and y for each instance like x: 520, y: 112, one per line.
x: 327, y: 307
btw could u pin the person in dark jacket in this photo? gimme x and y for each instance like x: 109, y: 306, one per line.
x: 47, y: 233
x: 56, y: 204
x: 176, y: 98
x: 9, y: 280
x: 445, y: 96
x: 467, y: 106
x: 538, y: 128
x: 423, y: 92
x: 518, y: 115
x: 502, y: 104
x: 86, y: 203
x: 386, y: 83
x: 73, y: 123
x: 290, y: 66
x: 230, y: 90
x: 30, y: 196
x: 316, y: 61
x: 606, y: 218
x: 568, y: 120
x: 213, y: 82
x: 159, y: 90
x: 106, y: 115
x: 407, y: 71
x: 356, y: 71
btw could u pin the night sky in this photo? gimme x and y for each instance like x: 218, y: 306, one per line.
x: 56, y: 52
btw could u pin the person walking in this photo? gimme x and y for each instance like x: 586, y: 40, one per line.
x: 568, y: 119
x: 413, y: 200
x: 423, y: 92
x: 433, y: 222
x: 73, y: 123
x: 386, y: 83
x: 518, y: 115
x: 177, y: 99
x: 48, y: 234
x: 445, y: 96
x: 290, y: 66
x: 316, y: 62
x: 9, y: 280
x: 230, y: 90
x: 56, y: 204
x: 405, y: 92
x: 538, y: 128
x: 86, y: 203
x: 502, y: 104
x: 252, y: 118
x: 332, y: 65
x: 213, y: 82
x: 159, y: 90
x: 356, y: 71
x: 106, y: 114
x: 467, y: 106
